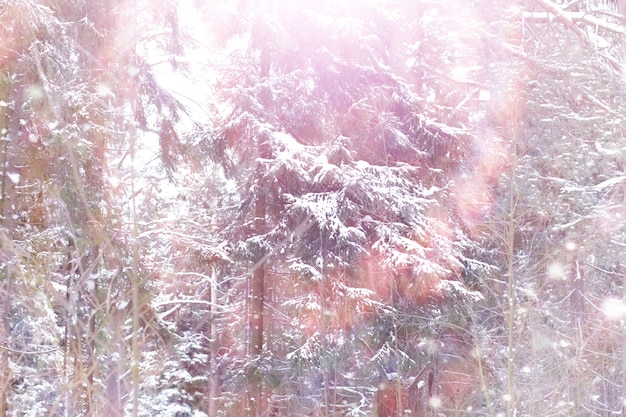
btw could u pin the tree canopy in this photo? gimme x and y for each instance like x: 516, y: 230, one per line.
x: 267, y: 208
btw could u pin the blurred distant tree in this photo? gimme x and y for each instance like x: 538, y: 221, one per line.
x: 68, y: 76
x: 556, y: 204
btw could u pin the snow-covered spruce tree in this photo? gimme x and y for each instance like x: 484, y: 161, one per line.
x: 339, y: 218
x: 69, y: 79
x: 28, y: 208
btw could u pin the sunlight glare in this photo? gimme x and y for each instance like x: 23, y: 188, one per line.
x: 571, y: 246
x: 459, y: 73
x: 435, y: 402
x: 484, y: 95
x: 556, y: 271
x: 614, y: 309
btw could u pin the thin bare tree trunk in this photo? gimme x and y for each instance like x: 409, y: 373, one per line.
x: 213, y: 333
x: 257, y: 302
x: 5, y: 374
x: 8, y: 128
x: 510, y: 299
x: 623, y: 266
x: 4, y: 325
x: 257, y: 293
x: 622, y: 10
x: 257, y: 286
x: 114, y: 404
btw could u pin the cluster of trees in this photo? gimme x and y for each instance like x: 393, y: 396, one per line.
x: 312, y: 208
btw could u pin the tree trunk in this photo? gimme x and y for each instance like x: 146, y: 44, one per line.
x: 5, y: 374
x: 256, y: 339
x: 4, y: 325
x: 89, y: 334
x: 622, y: 10
x: 257, y: 299
x: 115, y: 392
x: 577, y: 295
x: 257, y: 286
x: 213, y: 332
x: 257, y: 304
x: 9, y: 92
x: 623, y: 266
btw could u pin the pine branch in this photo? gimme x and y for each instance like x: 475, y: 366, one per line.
x: 567, y: 20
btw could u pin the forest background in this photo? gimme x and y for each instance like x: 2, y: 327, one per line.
x: 322, y: 208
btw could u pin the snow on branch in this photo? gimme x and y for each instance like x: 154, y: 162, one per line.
x: 610, y: 182
x: 597, y: 187
x: 562, y: 16
x: 457, y: 288
x: 569, y: 20
x: 573, y: 17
